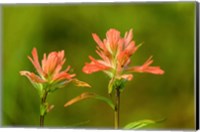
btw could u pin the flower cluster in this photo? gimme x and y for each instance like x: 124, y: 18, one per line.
x: 115, y: 52
x: 49, y: 73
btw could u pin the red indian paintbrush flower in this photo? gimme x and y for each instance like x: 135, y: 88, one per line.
x: 115, y: 53
x: 49, y: 78
x: 50, y: 71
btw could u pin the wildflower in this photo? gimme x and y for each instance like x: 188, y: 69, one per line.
x: 115, y: 53
x: 50, y: 71
x: 49, y: 77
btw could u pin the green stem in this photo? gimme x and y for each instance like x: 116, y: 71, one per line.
x: 117, y: 107
x: 42, y: 111
x: 41, y: 120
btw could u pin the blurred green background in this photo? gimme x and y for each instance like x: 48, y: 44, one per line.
x: 167, y: 30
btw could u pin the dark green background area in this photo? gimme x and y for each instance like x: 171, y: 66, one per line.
x: 167, y: 30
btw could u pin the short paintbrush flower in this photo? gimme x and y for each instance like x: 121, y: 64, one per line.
x: 49, y: 77
x: 49, y: 73
x: 115, y: 52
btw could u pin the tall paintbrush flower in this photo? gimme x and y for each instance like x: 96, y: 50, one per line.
x: 115, y: 52
x: 49, y: 77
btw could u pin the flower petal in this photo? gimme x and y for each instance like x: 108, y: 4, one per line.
x: 146, y: 68
x: 35, y: 61
x: 51, y: 62
x: 32, y: 77
x: 44, y: 60
x: 90, y: 68
x: 94, y: 66
x: 128, y: 37
x: 61, y: 55
x: 113, y: 36
x: 130, y: 49
x: 63, y: 75
x: 98, y: 41
x: 102, y: 55
x: 123, y: 59
x: 149, y: 69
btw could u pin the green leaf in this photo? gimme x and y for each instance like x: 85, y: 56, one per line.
x: 139, y: 124
x: 106, y: 100
x: 87, y: 95
x: 82, y: 96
